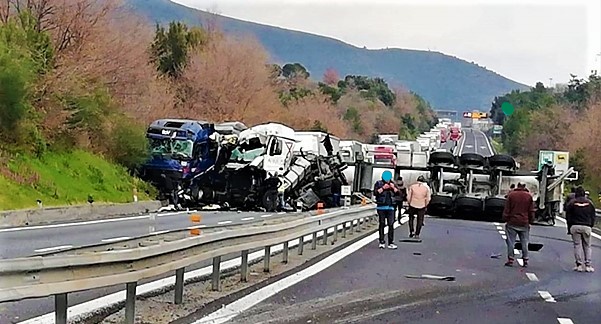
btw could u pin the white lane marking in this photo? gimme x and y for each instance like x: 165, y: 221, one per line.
x: 247, y: 218
x: 521, y: 262
x: 531, y: 276
x: 265, y: 216
x: 158, y: 232
x: 228, y: 312
x: 504, y: 237
x: 119, y: 297
x: 483, y: 147
x: 224, y: 222
x: 500, y: 228
x: 502, y: 232
x: 564, y: 320
x: 197, y: 226
x: 54, y: 248
x: 546, y: 296
x: 281, y: 213
x: 469, y: 146
x: 516, y: 251
x: 99, y: 221
x: 496, y: 224
x: 115, y: 239
x: 593, y: 234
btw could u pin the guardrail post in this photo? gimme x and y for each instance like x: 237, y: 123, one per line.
x: 325, y: 237
x: 267, y: 259
x: 344, y: 230
x: 301, y: 245
x: 358, y: 227
x: 244, y: 267
x: 179, y: 285
x: 130, y: 303
x: 314, y: 241
x: 335, y: 236
x: 352, y: 228
x: 60, y: 308
x: 285, y: 253
x: 216, y: 276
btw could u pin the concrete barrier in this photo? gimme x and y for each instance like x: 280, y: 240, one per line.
x: 49, y: 215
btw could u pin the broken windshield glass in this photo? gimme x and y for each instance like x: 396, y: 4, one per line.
x: 246, y: 156
x: 175, y: 147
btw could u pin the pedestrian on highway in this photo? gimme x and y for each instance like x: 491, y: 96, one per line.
x: 518, y: 215
x: 580, y: 216
x: 418, y: 198
x: 384, y: 191
x: 511, y: 188
x: 400, y: 197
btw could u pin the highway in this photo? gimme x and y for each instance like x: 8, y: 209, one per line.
x: 369, y: 285
x: 476, y: 141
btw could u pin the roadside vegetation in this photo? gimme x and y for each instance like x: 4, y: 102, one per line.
x: 561, y: 118
x: 80, y: 81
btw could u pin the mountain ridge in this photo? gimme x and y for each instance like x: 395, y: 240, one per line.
x: 446, y: 81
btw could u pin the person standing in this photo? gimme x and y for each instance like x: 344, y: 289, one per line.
x: 400, y: 197
x: 518, y: 215
x: 418, y: 198
x: 580, y: 216
x: 384, y: 191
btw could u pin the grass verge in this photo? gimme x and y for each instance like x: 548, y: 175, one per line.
x: 66, y: 178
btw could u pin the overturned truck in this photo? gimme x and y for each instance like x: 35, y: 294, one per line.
x: 268, y: 167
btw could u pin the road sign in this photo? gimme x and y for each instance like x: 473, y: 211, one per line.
x: 561, y: 160
x: 467, y: 114
x: 345, y: 190
x: 497, y: 129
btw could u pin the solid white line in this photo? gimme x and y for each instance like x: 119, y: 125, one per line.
x: 247, y: 218
x: 54, y: 248
x: 227, y: 312
x: 197, y: 226
x: 593, y: 234
x: 265, y: 216
x: 99, y: 221
x: 224, y: 222
x: 502, y: 232
x: 114, y: 239
x: 118, y: 297
x: 158, y: 232
x: 531, y: 276
x: 564, y: 320
x: 281, y: 213
x: 521, y: 262
x: 546, y: 296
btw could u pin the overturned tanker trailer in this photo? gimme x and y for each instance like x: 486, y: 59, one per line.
x: 266, y: 168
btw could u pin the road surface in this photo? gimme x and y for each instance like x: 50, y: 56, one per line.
x: 476, y: 142
x: 369, y: 285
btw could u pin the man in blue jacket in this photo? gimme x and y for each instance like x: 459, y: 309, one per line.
x: 384, y: 191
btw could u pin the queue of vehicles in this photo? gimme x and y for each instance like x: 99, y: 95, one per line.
x: 273, y: 167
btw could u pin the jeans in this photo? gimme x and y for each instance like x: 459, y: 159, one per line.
x: 581, y: 235
x: 386, y: 217
x: 421, y: 213
x: 523, y: 233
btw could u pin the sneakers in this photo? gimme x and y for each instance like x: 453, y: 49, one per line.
x: 525, y: 263
x: 509, y: 263
x: 382, y: 246
x: 579, y: 268
x: 589, y: 269
x: 411, y: 235
x: 392, y: 246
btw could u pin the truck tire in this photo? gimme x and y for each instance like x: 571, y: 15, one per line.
x: 502, y: 160
x: 472, y: 159
x: 442, y: 158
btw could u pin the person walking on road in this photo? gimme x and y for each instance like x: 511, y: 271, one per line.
x: 418, y: 198
x: 518, y: 215
x: 400, y: 197
x: 580, y: 216
x: 384, y: 191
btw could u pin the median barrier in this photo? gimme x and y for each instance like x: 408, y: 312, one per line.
x: 95, y: 211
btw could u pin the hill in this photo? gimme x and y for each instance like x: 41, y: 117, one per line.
x: 446, y: 82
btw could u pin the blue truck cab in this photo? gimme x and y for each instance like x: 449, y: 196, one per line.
x: 180, y: 149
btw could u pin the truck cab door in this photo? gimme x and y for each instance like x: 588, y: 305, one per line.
x: 274, y: 161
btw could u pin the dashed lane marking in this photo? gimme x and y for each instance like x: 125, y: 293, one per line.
x: 115, y: 239
x: 531, y: 276
x: 502, y: 232
x: 546, y: 296
x: 264, y: 216
x: 247, y: 218
x: 224, y: 222
x: 564, y: 320
x: 158, y: 232
x: 504, y: 237
x: 54, y: 248
x: 197, y: 226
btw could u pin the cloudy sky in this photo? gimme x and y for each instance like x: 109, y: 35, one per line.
x: 524, y: 40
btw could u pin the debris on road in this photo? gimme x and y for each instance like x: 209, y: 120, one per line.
x: 431, y: 277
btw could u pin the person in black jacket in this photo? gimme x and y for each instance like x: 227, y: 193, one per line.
x: 580, y: 216
x: 384, y: 192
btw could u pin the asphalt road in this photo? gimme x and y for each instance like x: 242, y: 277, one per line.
x: 476, y: 142
x: 369, y: 286
x: 25, y: 241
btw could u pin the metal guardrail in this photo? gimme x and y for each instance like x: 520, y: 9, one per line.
x: 83, y: 268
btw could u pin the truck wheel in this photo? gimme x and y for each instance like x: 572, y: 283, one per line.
x: 270, y: 200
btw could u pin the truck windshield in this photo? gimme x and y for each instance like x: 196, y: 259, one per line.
x: 175, y: 147
x: 246, y: 156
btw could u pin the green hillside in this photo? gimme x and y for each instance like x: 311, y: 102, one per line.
x: 446, y: 82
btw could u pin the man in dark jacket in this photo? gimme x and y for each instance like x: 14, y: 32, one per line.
x: 518, y: 215
x: 580, y: 216
x: 384, y: 191
x: 400, y: 197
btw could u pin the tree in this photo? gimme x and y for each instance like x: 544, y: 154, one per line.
x: 330, y: 77
x: 294, y: 70
x: 170, y: 49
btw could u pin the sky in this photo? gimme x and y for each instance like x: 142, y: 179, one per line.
x: 524, y: 40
